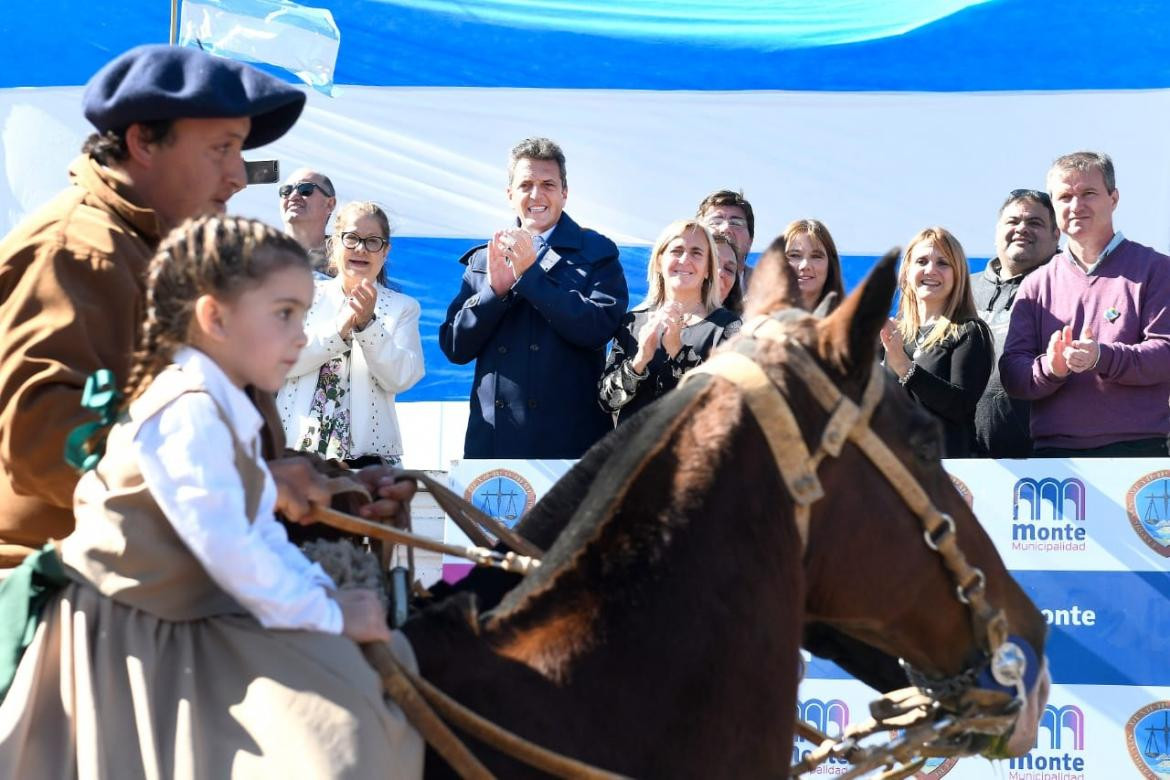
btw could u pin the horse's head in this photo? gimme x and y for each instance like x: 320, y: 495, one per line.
x: 895, y: 559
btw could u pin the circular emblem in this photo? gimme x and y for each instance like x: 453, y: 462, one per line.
x: 936, y: 767
x: 964, y: 491
x: 1148, y: 505
x: 1147, y: 737
x: 502, y: 494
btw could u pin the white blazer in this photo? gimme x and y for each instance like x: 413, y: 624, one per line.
x: 384, y: 359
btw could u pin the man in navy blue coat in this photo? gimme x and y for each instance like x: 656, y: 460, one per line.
x: 538, y: 304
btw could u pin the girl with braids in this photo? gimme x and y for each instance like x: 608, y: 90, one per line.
x: 363, y: 348
x: 189, y: 638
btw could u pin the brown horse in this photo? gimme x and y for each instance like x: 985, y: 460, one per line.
x: 660, y: 637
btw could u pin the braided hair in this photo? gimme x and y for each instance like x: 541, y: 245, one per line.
x: 213, y: 255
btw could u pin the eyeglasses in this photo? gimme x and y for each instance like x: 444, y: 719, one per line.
x: 371, y: 244
x: 1039, y: 195
x: 719, y: 222
x: 304, y: 189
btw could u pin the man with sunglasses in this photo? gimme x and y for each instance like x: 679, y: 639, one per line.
x: 1026, y: 237
x: 307, y: 200
x: 1089, y: 341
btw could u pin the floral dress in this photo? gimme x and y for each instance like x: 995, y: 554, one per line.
x: 329, y: 435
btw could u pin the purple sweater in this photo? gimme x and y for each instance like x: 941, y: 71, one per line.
x: 1126, y: 302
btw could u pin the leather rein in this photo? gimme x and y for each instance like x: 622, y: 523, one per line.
x: 939, y: 716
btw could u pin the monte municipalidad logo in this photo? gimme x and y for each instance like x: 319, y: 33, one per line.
x: 1048, y: 515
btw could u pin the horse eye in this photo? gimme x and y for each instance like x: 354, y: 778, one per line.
x: 925, y: 441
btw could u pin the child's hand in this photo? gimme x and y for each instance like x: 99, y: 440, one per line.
x: 362, y: 617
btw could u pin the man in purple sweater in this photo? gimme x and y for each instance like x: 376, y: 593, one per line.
x: 1089, y: 340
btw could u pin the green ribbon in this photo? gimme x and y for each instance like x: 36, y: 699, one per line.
x: 100, y: 396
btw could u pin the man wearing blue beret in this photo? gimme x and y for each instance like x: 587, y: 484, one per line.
x: 171, y: 124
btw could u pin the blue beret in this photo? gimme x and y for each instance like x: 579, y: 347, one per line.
x: 155, y: 82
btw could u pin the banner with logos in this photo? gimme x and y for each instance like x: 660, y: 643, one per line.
x: 1089, y: 541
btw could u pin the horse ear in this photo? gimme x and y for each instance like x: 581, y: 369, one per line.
x: 826, y: 305
x: 773, y: 285
x: 849, y: 336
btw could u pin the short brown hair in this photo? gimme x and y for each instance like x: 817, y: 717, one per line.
x: 730, y: 198
x: 1087, y: 161
x: 110, y: 146
x: 537, y: 149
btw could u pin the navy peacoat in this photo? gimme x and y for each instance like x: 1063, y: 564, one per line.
x: 539, y: 349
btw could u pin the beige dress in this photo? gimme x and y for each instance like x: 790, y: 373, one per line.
x: 144, y: 667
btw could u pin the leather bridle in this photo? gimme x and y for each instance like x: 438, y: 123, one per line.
x: 986, y: 697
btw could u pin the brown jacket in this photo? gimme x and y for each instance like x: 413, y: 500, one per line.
x: 72, y: 282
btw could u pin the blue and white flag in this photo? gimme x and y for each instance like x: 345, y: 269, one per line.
x: 302, y: 40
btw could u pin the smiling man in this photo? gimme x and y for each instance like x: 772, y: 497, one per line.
x: 1026, y: 237
x: 307, y: 200
x: 171, y: 123
x: 537, y: 306
x: 1089, y: 341
x: 728, y: 212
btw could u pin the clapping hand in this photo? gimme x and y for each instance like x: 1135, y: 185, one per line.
x: 1081, y: 354
x: 1057, y: 349
x: 649, y: 336
x: 518, y: 246
x: 358, y: 307
x: 672, y: 327
x: 895, y: 347
x: 501, y: 273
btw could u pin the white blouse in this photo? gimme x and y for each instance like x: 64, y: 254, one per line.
x: 186, y: 456
x: 385, y: 358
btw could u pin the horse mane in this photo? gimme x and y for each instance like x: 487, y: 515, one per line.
x: 622, y: 536
x: 619, y: 460
x: 542, y: 524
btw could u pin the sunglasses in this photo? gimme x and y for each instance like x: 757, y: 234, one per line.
x: 371, y: 244
x: 1039, y: 195
x: 304, y: 189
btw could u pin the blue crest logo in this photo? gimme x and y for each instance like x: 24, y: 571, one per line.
x: 503, y: 494
x: 1147, y: 737
x: 1064, y: 497
x: 1148, y: 505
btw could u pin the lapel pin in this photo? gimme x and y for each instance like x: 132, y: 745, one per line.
x: 1111, y: 314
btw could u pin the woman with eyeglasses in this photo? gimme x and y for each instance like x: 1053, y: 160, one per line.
x: 363, y: 348
x: 936, y: 346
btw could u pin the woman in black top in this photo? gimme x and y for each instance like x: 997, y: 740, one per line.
x: 675, y: 328
x: 937, y: 346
